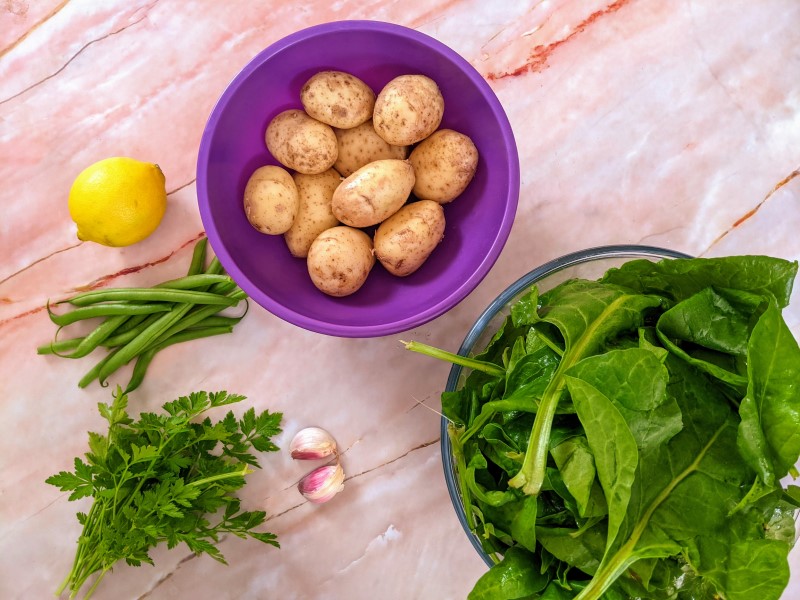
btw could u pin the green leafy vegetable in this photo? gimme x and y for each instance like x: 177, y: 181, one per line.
x: 164, y: 478
x: 627, y: 437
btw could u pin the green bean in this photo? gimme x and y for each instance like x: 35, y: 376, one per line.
x: 198, y: 257
x: 218, y: 321
x: 131, y: 323
x: 92, y: 374
x: 122, y: 335
x: 150, y: 294
x: 140, y: 369
x: 59, y: 346
x: 223, y: 288
x: 144, y: 359
x: 96, y: 337
x: 215, y: 267
x: 194, y: 318
x: 105, y: 310
x: 191, y: 319
x: 194, y: 334
x: 190, y: 282
x: 238, y: 294
x: 120, y: 338
x: 142, y: 341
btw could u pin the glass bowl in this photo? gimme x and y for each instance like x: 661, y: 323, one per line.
x: 585, y: 264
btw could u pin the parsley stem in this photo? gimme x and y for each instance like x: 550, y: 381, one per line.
x: 241, y: 473
x: 95, y: 584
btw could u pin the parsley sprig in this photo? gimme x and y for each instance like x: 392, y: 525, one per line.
x: 164, y: 478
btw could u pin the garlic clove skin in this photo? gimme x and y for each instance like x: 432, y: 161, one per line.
x: 312, y: 443
x: 322, y: 484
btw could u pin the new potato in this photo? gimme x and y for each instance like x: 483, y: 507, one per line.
x: 340, y: 260
x: 408, y: 109
x: 405, y: 240
x: 360, y: 146
x: 314, y: 214
x: 338, y: 99
x: 271, y: 200
x: 373, y: 193
x: 444, y: 164
x: 301, y: 143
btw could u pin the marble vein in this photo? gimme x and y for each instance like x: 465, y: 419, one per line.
x: 750, y: 213
x: 169, y: 574
x: 388, y: 462
x: 540, y: 54
x: 33, y: 28
x: 103, y: 280
x: 78, y: 53
x: 180, y: 187
x: 33, y: 264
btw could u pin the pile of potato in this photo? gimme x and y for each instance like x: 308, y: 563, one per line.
x: 357, y: 160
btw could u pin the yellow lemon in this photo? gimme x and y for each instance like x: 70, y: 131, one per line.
x: 118, y: 201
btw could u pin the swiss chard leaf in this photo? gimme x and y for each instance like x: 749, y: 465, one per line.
x: 575, y: 461
x: 613, y: 445
x: 581, y: 549
x: 514, y: 577
x: 711, y: 333
x: 769, y: 434
x: 679, y: 279
x: 708, y: 319
x: 635, y: 380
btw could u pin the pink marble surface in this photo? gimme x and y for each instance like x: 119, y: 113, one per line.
x: 667, y: 123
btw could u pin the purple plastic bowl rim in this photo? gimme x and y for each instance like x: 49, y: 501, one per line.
x: 631, y: 251
x: 387, y: 328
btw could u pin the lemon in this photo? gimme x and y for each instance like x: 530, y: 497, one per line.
x: 118, y: 201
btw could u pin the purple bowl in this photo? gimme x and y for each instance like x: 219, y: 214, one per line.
x: 232, y: 147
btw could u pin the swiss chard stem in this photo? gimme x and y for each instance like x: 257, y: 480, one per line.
x: 531, y: 476
x: 457, y: 359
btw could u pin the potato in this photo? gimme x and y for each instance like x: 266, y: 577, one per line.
x: 301, y: 143
x: 373, y: 193
x: 444, y: 164
x: 360, y: 146
x: 271, y: 200
x: 405, y: 240
x: 340, y: 260
x: 314, y: 214
x: 338, y: 99
x: 408, y: 109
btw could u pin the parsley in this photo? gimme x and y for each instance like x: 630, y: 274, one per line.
x: 164, y: 478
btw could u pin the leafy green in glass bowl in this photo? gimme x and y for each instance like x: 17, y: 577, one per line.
x: 619, y: 423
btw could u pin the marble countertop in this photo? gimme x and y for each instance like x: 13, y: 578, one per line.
x: 674, y: 124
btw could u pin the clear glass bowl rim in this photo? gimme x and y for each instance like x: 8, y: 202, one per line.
x: 629, y: 251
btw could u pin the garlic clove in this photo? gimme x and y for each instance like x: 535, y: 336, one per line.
x: 312, y: 443
x: 322, y: 484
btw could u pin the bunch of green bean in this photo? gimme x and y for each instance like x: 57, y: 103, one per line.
x: 140, y: 322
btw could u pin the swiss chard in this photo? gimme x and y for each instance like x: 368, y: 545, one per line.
x: 626, y: 437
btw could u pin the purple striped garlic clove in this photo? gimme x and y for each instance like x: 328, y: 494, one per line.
x: 312, y: 443
x: 322, y: 484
